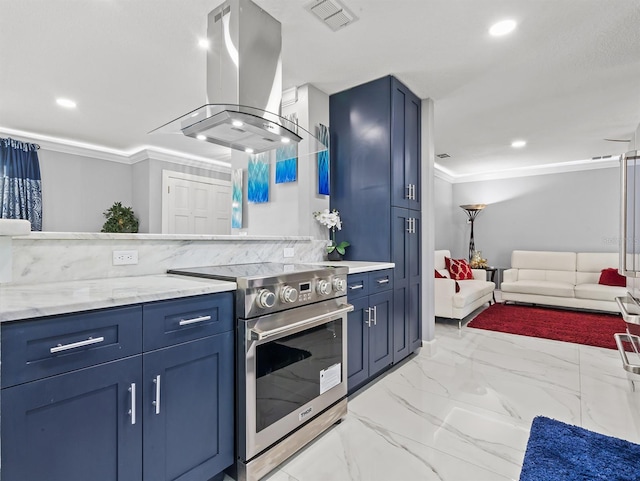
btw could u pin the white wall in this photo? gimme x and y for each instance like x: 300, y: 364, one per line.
x: 443, y: 214
x: 76, y: 190
x: 290, y: 207
x: 572, y: 211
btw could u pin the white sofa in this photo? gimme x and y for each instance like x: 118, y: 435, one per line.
x: 566, y: 279
x: 473, y: 292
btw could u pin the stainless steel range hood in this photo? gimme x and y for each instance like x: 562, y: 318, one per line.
x: 244, y: 84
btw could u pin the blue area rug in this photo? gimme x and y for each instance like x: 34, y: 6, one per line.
x: 561, y: 452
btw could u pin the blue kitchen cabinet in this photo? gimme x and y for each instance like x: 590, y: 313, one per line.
x: 69, y: 415
x: 370, y: 326
x: 375, y: 173
x: 407, y: 335
x: 75, y: 426
x: 188, y: 409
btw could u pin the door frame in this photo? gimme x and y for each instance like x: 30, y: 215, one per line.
x: 166, y: 174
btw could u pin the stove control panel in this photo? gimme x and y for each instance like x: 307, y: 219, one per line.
x: 289, y: 293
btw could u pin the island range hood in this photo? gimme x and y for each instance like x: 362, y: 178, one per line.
x: 244, y: 84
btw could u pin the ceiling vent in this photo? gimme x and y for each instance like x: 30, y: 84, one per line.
x: 332, y: 13
x: 443, y: 156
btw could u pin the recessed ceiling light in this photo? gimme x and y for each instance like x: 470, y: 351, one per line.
x: 249, y: 150
x: 204, y: 43
x: 201, y: 137
x: 502, y: 28
x: 518, y: 144
x: 285, y: 140
x: 237, y: 123
x: 66, y: 103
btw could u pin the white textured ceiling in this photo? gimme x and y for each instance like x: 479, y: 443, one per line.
x: 565, y: 80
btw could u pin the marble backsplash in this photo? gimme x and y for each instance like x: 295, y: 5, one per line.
x: 50, y: 257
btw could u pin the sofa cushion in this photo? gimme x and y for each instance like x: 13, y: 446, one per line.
x: 568, y: 277
x: 440, y: 276
x: 589, y: 265
x: 599, y: 292
x: 471, y: 291
x: 544, y: 260
x: 542, y: 288
x: 459, y: 269
x: 438, y: 259
x: 610, y: 277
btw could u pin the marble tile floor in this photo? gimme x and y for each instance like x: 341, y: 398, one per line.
x: 461, y: 410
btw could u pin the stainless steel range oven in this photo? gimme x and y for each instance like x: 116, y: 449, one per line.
x: 291, y: 357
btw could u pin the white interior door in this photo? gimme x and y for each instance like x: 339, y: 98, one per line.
x: 195, y: 205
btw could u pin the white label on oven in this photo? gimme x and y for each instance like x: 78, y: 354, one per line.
x: 330, y: 377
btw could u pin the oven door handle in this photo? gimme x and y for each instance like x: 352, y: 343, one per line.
x: 260, y: 335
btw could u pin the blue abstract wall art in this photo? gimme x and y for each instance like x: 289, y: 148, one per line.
x: 323, y: 161
x: 287, y: 159
x: 236, y: 199
x: 287, y: 164
x: 258, y: 178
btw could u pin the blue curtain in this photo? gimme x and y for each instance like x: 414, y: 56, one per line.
x: 20, y: 184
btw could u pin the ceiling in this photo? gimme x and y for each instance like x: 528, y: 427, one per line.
x: 566, y: 79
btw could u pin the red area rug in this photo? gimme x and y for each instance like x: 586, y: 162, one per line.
x: 592, y: 329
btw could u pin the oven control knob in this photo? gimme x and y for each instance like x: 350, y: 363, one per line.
x: 339, y: 284
x: 289, y: 294
x: 324, y: 287
x: 266, y: 298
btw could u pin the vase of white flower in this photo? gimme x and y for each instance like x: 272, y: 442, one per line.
x: 332, y: 221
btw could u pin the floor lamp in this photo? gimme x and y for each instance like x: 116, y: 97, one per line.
x: 472, y: 211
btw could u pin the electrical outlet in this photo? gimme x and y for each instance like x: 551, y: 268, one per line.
x: 288, y: 252
x: 124, y: 258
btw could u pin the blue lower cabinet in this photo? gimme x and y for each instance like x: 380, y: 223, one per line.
x: 358, y: 343
x: 76, y: 426
x: 188, y: 409
x: 381, y: 331
x: 150, y: 415
x: 370, y: 327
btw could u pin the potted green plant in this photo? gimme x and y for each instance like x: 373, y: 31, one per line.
x: 120, y: 219
x: 332, y: 221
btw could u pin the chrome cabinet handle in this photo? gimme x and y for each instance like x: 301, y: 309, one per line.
x: 73, y: 345
x: 408, y: 196
x: 356, y: 286
x: 185, y: 322
x: 375, y: 315
x: 382, y: 281
x: 156, y: 401
x: 368, y: 321
x: 411, y: 225
x: 132, y: 411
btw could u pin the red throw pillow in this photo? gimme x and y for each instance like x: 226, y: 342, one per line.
x: 610, y: 277
x: 440, y: 276
x: 459, y: 269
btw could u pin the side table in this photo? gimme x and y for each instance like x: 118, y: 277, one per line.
x: 492, y: 271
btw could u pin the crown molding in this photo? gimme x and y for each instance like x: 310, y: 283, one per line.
x: 131, y: 157
x: 543, y: 169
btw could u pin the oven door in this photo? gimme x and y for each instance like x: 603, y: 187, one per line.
x: 294, y: 366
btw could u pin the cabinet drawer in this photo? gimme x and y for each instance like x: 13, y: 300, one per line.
x: 380, y: 280
x: 166, y: 323
x: 39, y: 348
x: 357, y: 285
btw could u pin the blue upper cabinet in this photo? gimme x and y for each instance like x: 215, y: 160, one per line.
x: 375, y: 162
x: 405, y: 146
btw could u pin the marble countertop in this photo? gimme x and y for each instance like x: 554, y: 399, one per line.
x: 35, y: 300
x: 357, y: 267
